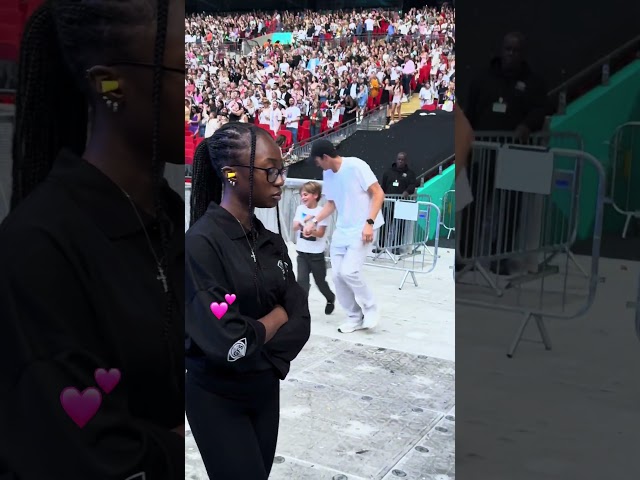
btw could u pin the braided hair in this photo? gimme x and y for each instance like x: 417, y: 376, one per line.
x: 62, y: 39
x: 227, y: 143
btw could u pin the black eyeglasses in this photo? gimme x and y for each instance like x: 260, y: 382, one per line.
x: 272, y: 173
x: 181, y: 71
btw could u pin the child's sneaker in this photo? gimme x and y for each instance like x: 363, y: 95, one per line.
x: 329, y: 308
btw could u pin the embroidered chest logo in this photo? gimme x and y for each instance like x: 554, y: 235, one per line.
x: 237, y: 350
x: 284, y: 268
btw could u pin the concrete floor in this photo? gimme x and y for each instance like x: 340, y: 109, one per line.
x: 569, y: 413
x: 371, y: 405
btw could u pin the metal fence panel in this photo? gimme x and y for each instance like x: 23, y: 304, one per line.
x: 6, y: 134
x: 625, y: 172
x: 506, y: 226
x: 404, y: 242
x: 449, y: 212
x: 402, y: 245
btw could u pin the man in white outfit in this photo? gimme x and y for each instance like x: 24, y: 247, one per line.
x: 353, y: 190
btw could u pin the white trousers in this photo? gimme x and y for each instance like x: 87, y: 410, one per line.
x: 354, y: 296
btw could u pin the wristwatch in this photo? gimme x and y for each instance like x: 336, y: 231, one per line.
x: 370, y: 221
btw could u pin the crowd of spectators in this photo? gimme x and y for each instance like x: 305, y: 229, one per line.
x: 334, y: 67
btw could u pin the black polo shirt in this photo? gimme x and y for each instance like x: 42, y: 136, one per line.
x: 78, y: 292
x: 219, y: 263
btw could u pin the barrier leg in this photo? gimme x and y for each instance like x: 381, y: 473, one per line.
x: 626, y: 225
x: 542, y: 329
x: 544, y: 334
x: 404, y: 279
x: 518, y: 337
x: 488, y: 278
x: 572, y: 257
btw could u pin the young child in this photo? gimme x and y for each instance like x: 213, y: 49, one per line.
x: 311, y: 249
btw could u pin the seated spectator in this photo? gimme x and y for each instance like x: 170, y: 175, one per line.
x: 333, y: 56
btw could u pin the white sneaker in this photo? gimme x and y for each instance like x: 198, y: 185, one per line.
x: 349, y: 327
x: 370, y: 319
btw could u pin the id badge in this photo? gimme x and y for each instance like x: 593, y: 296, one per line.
x: 396, y: 184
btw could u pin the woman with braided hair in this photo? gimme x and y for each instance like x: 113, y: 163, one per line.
x: 246, y: 318
x: 91, y: 255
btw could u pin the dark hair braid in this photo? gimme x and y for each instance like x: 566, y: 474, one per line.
x: 206, y: 185
x: 226, y: 144
x: 157, y: 172
x: 253, y: 233
x: 46, y: 86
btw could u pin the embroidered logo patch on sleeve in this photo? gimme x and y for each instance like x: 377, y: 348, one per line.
x: 237, y: 350
x: 284, y: 268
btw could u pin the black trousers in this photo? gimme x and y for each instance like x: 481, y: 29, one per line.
x: 406, y: 84
x: 236, y: 431
x: 314, y: 263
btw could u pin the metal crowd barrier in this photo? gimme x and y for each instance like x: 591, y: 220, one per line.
x: 7, y: 113
x: 625, y: 172
x: 638, y: 311
x: 449, y: 212
x: 403, y: 243
x: 526, y: 204
x: 563, y: 140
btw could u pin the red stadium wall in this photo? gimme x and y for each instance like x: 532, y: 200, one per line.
x: 13, y: 16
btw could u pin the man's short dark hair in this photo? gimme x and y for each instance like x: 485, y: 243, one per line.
x: 321, y: 148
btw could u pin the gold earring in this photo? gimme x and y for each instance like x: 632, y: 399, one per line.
x: 109, y: 86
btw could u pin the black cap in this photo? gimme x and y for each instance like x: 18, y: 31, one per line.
x: 322, y: 147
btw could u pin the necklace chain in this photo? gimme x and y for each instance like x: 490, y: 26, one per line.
x: 161, y: 275
x: 253, y: 254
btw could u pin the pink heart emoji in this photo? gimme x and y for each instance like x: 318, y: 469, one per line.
x: 107, y: 379
x: 219, y: 309
x: 81, y: 407
x: 230, y: 298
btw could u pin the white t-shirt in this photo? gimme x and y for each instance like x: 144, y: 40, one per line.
x: 291, y: 113
x: 347, y: 188
x: 369, y: 23
x: 309, y: 246
x: 276, y: 120
x: 265, y: 116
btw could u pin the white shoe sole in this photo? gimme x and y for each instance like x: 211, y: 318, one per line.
x: 349, y: 328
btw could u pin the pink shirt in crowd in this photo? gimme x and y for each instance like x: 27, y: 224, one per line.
x: 409, y: 68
